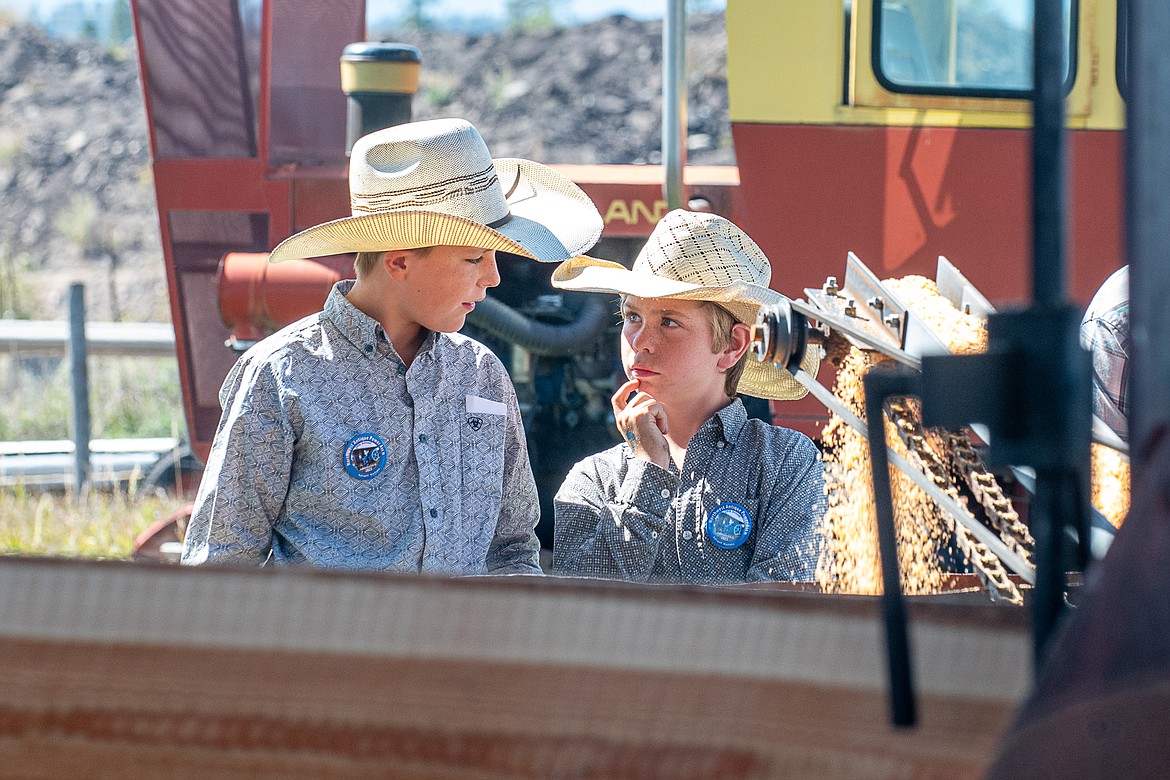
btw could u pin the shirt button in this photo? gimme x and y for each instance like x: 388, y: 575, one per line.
x: 401, y: 370
x: 409, y: 402
x: 434, y: 513
x: 665, y: 493
x: 687, y: 535
x: 719, y: 445
x: 422, y: 438
x: 369, y: 348
x: 653, y: 534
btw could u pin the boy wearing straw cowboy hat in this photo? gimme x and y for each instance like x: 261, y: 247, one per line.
x: 370, y: 435
x: 697, y: 492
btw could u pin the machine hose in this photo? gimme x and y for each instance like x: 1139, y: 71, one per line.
x: 501, y: 320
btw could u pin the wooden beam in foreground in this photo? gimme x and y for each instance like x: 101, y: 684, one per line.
x: 120, y: 670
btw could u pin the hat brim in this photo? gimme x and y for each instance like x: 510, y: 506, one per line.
x: 551, y: 220
x: 742, y: 299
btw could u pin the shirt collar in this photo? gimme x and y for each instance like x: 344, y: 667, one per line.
x: 726, y: 423
x: 362, y: 330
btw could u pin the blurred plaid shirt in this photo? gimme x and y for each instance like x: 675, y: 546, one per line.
x: 1105, y: 333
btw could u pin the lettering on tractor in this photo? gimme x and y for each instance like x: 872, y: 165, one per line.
x: 630, y: 212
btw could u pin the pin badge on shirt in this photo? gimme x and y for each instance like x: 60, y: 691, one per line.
x: 728, y: 525
x: 364, y: 456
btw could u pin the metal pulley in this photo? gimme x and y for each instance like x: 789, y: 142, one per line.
x: 781, y: 335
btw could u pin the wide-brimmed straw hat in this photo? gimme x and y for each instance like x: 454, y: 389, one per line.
x: 698, y: 257
x: 434, y: 183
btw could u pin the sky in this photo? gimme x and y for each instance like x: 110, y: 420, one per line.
x: 582, y: 10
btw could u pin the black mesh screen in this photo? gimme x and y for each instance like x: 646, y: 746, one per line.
x: 197, y: 78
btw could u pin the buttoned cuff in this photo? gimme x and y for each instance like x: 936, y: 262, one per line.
x: 649, y: 487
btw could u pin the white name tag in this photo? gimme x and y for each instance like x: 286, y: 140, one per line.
x: 477, y: 405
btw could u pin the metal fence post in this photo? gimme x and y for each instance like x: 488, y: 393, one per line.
x: 674, y: 104
x: 78, y: 354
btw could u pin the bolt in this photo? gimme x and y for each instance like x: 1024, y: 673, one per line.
x: 876, y: 303
x: 830, y: 287
x: 851, y: 308
x: 759, y: 345
x: 893, y: 322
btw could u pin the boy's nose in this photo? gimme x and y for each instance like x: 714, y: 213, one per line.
x: 491, y: 275
x: 640, y: 339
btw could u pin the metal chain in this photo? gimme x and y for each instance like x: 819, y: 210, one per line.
x: 987, y: 490
x: 986, y: 563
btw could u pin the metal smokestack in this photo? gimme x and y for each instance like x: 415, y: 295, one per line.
x: 380, y: 80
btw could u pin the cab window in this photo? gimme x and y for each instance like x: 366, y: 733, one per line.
x: 960, y: 47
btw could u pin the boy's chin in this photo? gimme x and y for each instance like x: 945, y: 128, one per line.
x: 449, y: 326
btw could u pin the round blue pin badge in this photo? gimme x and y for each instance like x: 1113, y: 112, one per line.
x: 728, y: 525
x: 364, y: 456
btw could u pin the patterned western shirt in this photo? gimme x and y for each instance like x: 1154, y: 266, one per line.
x: 332, y: 452
x: 619, y: 516
x: 1105, y: 333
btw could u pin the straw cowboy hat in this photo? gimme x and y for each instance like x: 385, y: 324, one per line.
x: 698, y: 257
x: 433, y: 183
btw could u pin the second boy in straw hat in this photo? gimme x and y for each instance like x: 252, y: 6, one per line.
x: 370, y: 435
x: 697, y: 492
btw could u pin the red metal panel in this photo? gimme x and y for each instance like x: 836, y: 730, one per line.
x: 901, y: 196
x: 630, y: 198
x: 211, y: 185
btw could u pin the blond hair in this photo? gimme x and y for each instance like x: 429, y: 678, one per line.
x: 366, y: 262
x: 722, y: 323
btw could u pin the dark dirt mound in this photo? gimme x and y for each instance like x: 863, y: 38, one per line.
x: 75, y: 184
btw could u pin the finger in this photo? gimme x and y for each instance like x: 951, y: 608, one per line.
x: 621, y: 397
x: 660, y: 418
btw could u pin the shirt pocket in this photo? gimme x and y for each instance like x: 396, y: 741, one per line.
x: 482, y: 438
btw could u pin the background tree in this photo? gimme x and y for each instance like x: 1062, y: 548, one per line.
x: 121, y: 23
x: 522, y: 15
x: 417, y: 17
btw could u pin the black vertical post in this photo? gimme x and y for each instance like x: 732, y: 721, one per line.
x: 1048, y: 293
x: 78, y: 354
x: 1148, y: 225
x: 880, y: 384
x: 1048, y: 277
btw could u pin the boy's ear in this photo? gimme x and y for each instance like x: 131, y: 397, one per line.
x: 737, y: 345
x: 395, y: 262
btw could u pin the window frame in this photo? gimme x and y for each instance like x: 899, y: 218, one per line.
x: 967, y: 92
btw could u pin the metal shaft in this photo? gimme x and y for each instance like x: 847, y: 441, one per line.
x: 78, y: 359
x: 674, y: 103
x: 879, y: 385
x: 1048, y: 186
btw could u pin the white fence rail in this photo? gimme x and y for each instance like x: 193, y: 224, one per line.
x: 52, y: 464
x: 77, y: 339
x: 145, y: 339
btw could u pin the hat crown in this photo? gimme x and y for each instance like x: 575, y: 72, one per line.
x: 703, y: 249
x: 439, y: 165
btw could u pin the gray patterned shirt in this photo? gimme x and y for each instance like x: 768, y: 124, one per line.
x: 745, y: 506
x: 331, y: 452
x: 1105, y: 333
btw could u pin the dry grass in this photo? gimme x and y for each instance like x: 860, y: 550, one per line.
x: 128, y: 396
x: 96, y: 524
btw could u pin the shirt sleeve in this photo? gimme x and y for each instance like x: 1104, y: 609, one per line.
x: 514, y: 548
x: 606, y: 529
x: 790, y: 537
x: 246, y: 479
x: 1107, y: 338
